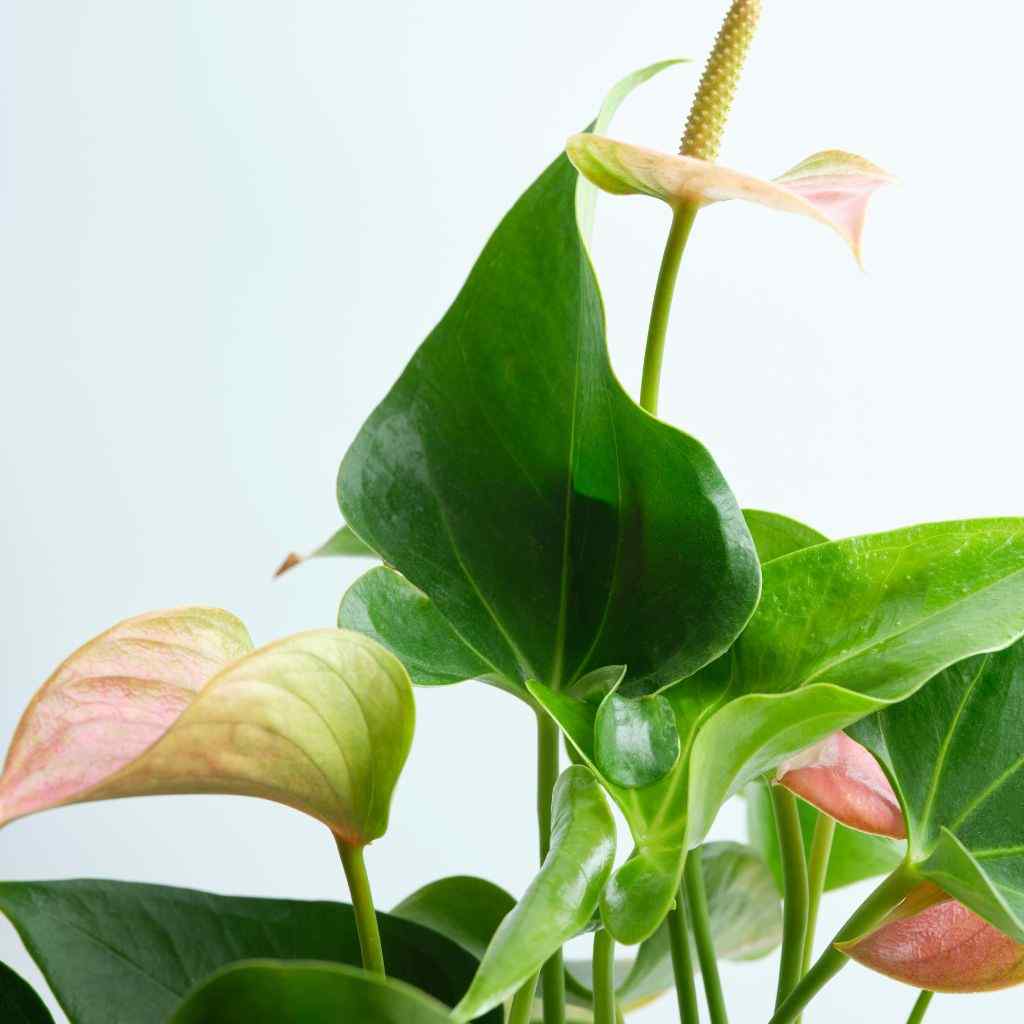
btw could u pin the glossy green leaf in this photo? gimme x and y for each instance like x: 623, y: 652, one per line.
x: 776, y: 535
x: 508, y: 475
x: 272, y: 991
x: 636, y: 742
x: 126, y: 953
x: 855, y: 855
x: 386, y: 607
x: 843, y: 629
x: 560, y: 900
x: 467, y: 910
x: 170, y: 703
x: 342, y: 544
x: 19, y: 1001
x: 954, y: 755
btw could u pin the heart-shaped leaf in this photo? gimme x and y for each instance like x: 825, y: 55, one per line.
x: 321, y: 721
x: 831, y: 187
x: 385, y: 606
x: 944, y: 948
x: 269, y: 992
x: 559, y: 902
x: 508, y: 476
x: 855, y: 855
x: 953, y: 755
x: 19, y: 1001
x: 843, y: 628
x: 126, y: 953
x: 342, y: 543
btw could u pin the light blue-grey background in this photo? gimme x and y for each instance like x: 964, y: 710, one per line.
x: 224, y: 227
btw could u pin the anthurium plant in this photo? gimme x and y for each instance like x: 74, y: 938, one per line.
x: 533, y: 526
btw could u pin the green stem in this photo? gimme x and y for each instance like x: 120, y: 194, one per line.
x: 553, y: 972
x: 362, y: 902
x: 889, y: 895
x: 682, y: 961
x: 794, y: 876
x: 920, y: 1008
x: 682, y: 222
x: 521, y: 1010
x: 693, y: 877
x: 821, y: 850
x: 604, y: 978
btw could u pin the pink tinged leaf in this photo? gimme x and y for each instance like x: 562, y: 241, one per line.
x: 842, y: 779
x: 321, y: 722
x: 944, y: 948
x: 110, y: 700
x: 831, y: 187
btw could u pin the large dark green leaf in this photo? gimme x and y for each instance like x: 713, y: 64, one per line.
x: 126, y: 953
x: 854, y: 857
x: 278, y: 991
x: 19, y: 1001
x: 559, y: 902
x: 508, y: 476
x: 955, y: 755
x: 843, y: 629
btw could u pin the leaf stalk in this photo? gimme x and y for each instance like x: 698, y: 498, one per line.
x: 821, y: 852
x: 796, y: 891
x: 697, y: 899
x: 362, y: 902
x: 604, y: 978
x: 682, y: 961
x: 548, y: 749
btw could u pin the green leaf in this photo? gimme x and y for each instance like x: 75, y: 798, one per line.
x: 843, y: 629
x: 855, y: 855
x: 560, y: 900
x: 953, y: 754
x: 342, y: 544
x: 777, y: 535
x: 389, y: 609
x: 508, y: 476
x: 126, y: 953
x: 465, y: 909
x: 19, y: 1001
x: 269, y: 992
x: 636, y: 741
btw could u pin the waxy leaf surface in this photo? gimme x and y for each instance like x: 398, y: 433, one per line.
x: 843, y: 629
x: 508, y: 476
x: 559, y: 902
x: 321, y: 721
x: 776, y: 535
x: 386, y: 607
x: 19, y: 1001
x: 127, y: 953
x: 955, y: 756
x: 272, y: 992
x: 831, y: 187
x: 855, y: 855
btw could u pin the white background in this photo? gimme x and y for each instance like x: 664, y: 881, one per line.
x: 224, y: 228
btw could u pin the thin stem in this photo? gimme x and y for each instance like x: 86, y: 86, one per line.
x: 889, y: 895
x: 362, y: 902
x: 604, y: 978
x: 682, y: 961
x: 521, y: 1010
x: 821, y: 850
x: 682, y: 222
x: 693, y: 878
x: 548, y: 750
x: 920, y: 1008
x: 794, y: 876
